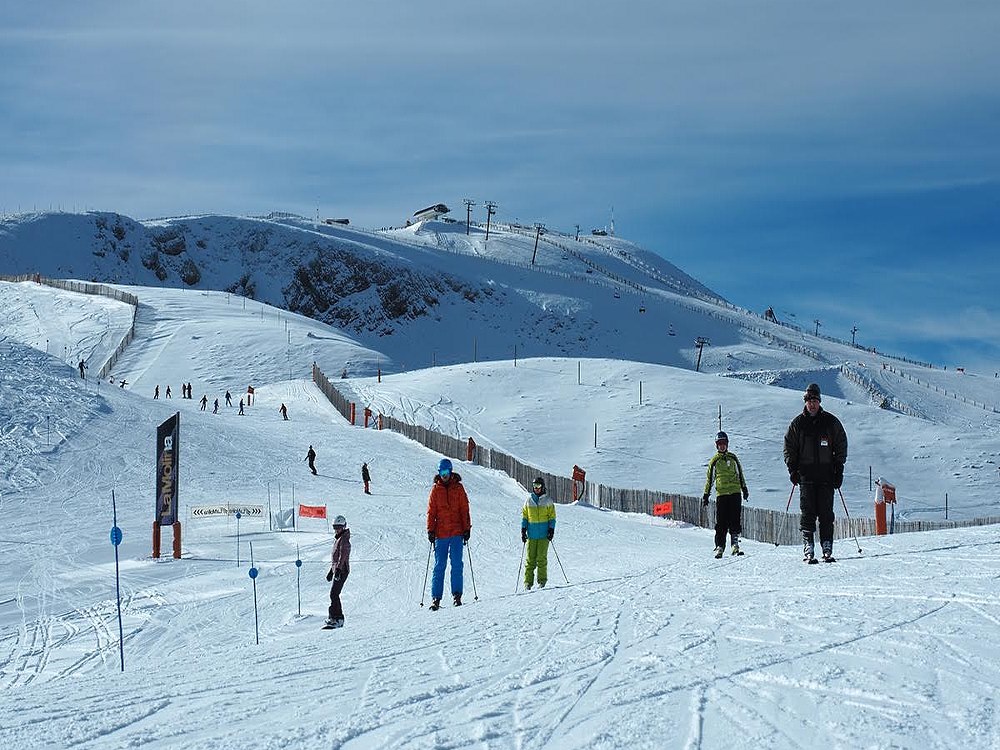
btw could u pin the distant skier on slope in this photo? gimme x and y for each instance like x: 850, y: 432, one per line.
x: 725, y: 471
x: 366, y: 477
x: 815, y: 453
x: 538, y: 527
x: 310, y: 455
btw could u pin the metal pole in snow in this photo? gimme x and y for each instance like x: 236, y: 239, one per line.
x: 298, y: 576
x: 253, y: 577
x: 116, y: 539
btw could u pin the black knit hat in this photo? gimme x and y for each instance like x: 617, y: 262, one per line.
x: 812, y: 390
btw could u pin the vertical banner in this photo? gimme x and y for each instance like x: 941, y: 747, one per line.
x: 167, y: 463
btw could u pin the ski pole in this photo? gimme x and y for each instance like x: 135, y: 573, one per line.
x: 518, y: 581
x: 785, y: 517
x: 475, y: 594
x: 423, y: 589
x: 553, y: 545
x: 848, y: 518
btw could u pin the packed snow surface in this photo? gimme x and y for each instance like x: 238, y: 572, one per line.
x: 642, y: 639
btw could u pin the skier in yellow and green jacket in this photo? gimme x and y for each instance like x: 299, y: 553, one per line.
x: 538, y: 526
x: 725, y: 472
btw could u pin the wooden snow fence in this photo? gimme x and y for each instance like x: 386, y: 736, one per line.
x: 759, y: 524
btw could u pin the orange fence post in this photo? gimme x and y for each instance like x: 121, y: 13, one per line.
x: 579, y: 475
x: 353, y: 406
x: 156, y: 539
x: 470, y: 450
x: 177, y: 540
x: 885, y: 493
x: 380, y: 420
x: 368, y: 415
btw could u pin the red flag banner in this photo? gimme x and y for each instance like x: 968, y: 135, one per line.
x: 312, y: 511
x: 664, y: 509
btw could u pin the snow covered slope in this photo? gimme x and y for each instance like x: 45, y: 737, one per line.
x: 641, y: 640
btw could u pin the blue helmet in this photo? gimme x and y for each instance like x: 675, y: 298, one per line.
x: 444, y: 465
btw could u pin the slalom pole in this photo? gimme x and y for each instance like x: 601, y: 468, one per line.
x: 253, y: 577
x: 423, y: 588
x: 844, y: 502
x: 116, y: 539
x: 475, y: 595
x: 785, y: 518
x: 553, y: 545
x: 298, y: 577
x: 518, y: 581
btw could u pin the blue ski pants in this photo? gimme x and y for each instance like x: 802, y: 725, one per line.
x: 449, y: 547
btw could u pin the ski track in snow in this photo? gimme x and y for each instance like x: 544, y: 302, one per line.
x: 651, y: 643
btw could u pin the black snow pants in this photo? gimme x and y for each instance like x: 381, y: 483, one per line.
x: 336, y: 610
x: 816, y: 501
x: 728, y: 515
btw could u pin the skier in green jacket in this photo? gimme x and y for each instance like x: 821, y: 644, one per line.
x: 725, y: 471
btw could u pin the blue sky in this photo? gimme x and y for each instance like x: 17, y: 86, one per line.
x: 837, y: 161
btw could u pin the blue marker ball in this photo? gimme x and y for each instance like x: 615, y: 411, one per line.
x: 116, y: 535
x: 298, y: 563
x: 253, y: 572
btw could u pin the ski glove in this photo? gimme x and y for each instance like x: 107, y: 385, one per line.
x: 793, y: 475
x: 746, y: 493
x: 466, y: 534
x: 329, y: 575
x: 552, y: 533
x: 524, y: 536
x: 704, y: 500
x: 838, y: 477
x: 431, y: 537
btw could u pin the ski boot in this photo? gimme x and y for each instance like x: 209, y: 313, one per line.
x: 458, y: 599
x: 808, y: 548
x: 736, y: 545
x: 435, y: 605
x: 718, y: 552
x: 828, y: 552
x: 541, y: 584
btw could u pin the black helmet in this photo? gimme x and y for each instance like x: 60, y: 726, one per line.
x: 722, y: 436
x: 539, y: 482
x: 812, y: 391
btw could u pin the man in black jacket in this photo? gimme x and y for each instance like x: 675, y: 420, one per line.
x: 815, y: 454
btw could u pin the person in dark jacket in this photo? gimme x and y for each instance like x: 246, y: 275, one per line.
x: 310, y: 455
x: 340, y: 568
x: 448, y: 529
x: 815, y: 454
x: 366, y: 477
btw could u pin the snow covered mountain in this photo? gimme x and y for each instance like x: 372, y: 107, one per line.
x: 425, y: 294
